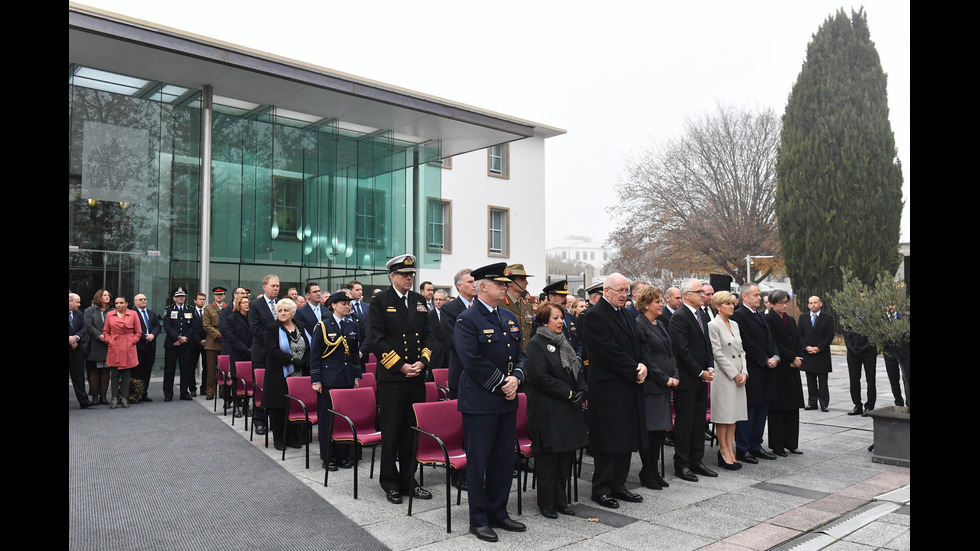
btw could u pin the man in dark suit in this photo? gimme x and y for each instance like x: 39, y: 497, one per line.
x: 440, y: 349
x: 695, y: 364
x: 898, y: 361
x: 816, y: 333
x: 488, y: 341
x: 76, y: 362
x: 313, y: 312
x: 146, y: 348
x: 183, y: 327
x: 359, y: 313
x: 466, y: 289
x: 616, y: 421
x: 558, y: 294
x: 761, y: 357
x: 634, y: 290
x: 261, y: 314
x: 398, y: 334
x: 672, y: 301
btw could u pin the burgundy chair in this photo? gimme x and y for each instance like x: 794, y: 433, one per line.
x: 431, y: 392
x: 442, y: 446
x: 523, y: 447
x: 368, y: 380
x: 371, y: 367
x: 223, y: 381
x: 244, y: 388
x: 441, y: 377
x: 302, y: 409
x: 356, y: 406
x: 258, y: 389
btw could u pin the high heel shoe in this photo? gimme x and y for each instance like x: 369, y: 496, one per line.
x: 729, y: 466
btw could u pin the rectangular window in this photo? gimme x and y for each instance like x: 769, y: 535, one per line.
x: 577, y: 255
x: 286, y: 193
x: 370, y: 217
x: 439, y: 232
x: 592, y: 255
x: 498, y: 163
x: 499, y: 235
x: 564, y: 255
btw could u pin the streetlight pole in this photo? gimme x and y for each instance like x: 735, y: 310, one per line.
x: 748, y: 265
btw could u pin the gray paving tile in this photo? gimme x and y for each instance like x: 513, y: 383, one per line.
x: 876, y: 534
x: 644, y: 536
x: 704, y: 521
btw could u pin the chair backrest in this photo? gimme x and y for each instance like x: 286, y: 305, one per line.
x: 224, y: 363
x: 522, y: 417
x: 259, y: 386
x: 441, y: 377
x: 368, y: 380
x: 443, y: 420
x: 431, y: 392
x: 371, y: 367
x: 245, y: 383
x: 301, y: 388
x: 357, y: 403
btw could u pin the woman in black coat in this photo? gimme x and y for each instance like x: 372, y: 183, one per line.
x: 236, y: 339
x: 784, y: 414
x: 661, y: 377
x: 555, y: 387
x: 288, y: 356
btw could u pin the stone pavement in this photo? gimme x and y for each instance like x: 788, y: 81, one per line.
x: 832, y: 496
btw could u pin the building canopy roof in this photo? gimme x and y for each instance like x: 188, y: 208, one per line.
x: 305, y: 92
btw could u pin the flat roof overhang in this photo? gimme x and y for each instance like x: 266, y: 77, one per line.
x: 115, y: 43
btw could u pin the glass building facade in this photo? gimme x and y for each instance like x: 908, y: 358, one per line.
x: 290, y: 193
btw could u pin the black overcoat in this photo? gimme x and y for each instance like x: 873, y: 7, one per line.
x: 555, y: 424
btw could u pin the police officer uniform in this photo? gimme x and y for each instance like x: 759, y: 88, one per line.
x: 398, y: 334
x: 520, y: 307
x: 488, y: 341
x: 334, y: 363
x: 180, y: 321
x: 569, y: 328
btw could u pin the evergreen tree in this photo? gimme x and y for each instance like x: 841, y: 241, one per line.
x: 839, y: 181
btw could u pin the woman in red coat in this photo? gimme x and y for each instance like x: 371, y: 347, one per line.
x: 122, y: 332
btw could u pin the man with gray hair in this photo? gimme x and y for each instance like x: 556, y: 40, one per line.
x: 761, y: 358
x: 466, y: 287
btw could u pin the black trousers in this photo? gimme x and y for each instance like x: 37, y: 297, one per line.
x: 147, y: 357
x: 489, y: 441
x: 553, y: 471
x: 784, y: 429
x: 690, y: 411
x: 398, y: 438
x: 816, y: 389
x: 186, y: 356
x: 897, y: 364
x: 855, y: 362
x: 650, y: 456
x: 76, y: 370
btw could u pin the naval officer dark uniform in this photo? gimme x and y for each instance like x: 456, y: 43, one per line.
x: 488, y: 341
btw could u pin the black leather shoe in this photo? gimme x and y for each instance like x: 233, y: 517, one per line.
x: 651, y: 483
x: 810, y: 407
x: 867, y: 410
x: 295, y: 445
x: 508, y: 524
x: 702, y: 469
x: 824, y: 409
x: 728, y: 466
x: 780, y: 453
x: 330, y: 466
x: 626, y: 495
x: 686, y: 474
x: 746, y: 458
x: 279, y: 446
x: 855, y: 411
x: 606, y: 500
x: 346, y: 464
x: 762, y: 454
x: 484, y: 533
x: 566, y: 510
x: 193, y: 394
x: 394, y: 496
x: 794, y: 451
x: 421, y: 493
x: 146, y: 399
x: 660, y: 480
x: 185, y: 397
x: 549, y: 513
x: 168, y: 399
x: 261, y: 429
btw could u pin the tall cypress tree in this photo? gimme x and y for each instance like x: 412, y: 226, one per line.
x: 839, y: 181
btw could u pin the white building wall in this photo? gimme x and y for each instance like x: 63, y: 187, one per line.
x: 471, y: 190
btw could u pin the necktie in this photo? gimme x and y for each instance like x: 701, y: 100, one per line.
x: 272, y: 306
x: 697, y: 314
x: 813, y: 319
x: 357, y: 308
x: 146, y: 321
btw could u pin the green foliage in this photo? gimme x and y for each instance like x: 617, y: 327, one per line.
x: 839, y: 181
x: 862, y: 309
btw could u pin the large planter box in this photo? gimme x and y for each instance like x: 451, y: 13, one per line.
x: 892, y: 436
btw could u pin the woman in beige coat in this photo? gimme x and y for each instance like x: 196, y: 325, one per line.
x: 728, y: 403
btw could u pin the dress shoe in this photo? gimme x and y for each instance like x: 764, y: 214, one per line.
x: 762, y: 454
x: 508, y: 524
x: 193, y: 394
x: 330, y: 466
x: 900, y: 403
x: 794, y: 451
x: 112, y: 405
x: 824, y: 409
x: 484, y: 533
x: 421, y: 493
x: 606, y: 500
x: 686, y: 474
x: 125, y: 403
x: 185, y: 397
x: 345, y: 464
x: 780, y: 453
x: 660, y: 480
x: 209, y: 397
x: 651, y: 483
x: 746, y: 458
x: 295, y: 445
x: 261, y: 429
x: 728, y: 466
x: 168, y: 399
x: 867, y: 410
x: 549, y: 513
x: 146, y: 399
x: 855, y: 411
x: 394, y: 496
x: 566, y: 510
x: 702, y: 469
x: 810, y: 407
x: 279, y: 446
x: 626, y: 495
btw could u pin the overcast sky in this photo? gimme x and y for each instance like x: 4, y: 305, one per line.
x: 617, y: 78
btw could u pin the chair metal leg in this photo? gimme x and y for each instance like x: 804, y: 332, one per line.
x: 449, y: 516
